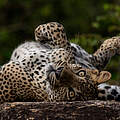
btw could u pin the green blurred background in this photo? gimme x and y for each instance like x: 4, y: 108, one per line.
x: 87, y: 23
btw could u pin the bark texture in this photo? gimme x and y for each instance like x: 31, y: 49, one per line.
x: 82, y: 110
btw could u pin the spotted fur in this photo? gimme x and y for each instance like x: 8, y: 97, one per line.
x: 98, y: 60
x: 52, y: 35
x: 108, y: 92
x: 59, y: 82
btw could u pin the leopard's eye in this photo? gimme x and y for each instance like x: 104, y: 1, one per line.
x: 82, y: 73
x: 71, y: 93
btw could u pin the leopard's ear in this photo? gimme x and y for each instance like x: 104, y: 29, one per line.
x: 104, y: 76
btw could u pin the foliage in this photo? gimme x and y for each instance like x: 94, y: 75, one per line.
x: 90, y: 42
x: 18, y: 19
x: 109, y: 22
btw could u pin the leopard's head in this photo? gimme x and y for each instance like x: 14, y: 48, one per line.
x: 83, y: 83
x: 76, y: 82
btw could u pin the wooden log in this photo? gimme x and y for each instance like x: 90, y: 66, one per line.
x: 79, y: 110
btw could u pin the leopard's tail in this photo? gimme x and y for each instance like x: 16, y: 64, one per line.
x: 108, y: 92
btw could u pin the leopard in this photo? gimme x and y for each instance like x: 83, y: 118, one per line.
x: 35, y: 55
x: 60, y: 81
x: 54, y: 35
x: 33, y: 61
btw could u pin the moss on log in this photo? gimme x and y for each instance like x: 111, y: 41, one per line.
x: 82, y: 110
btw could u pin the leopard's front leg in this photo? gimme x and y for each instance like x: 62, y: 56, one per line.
x: 109, y: 48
